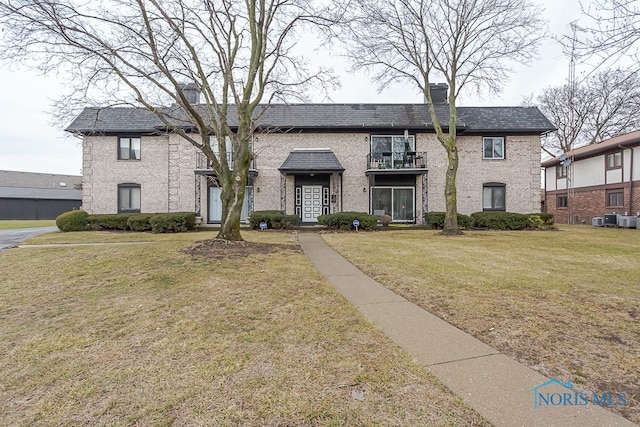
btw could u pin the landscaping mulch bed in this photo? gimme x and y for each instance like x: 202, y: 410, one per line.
x: 222, y: 249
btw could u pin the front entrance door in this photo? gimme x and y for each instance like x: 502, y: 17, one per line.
x: 215, y: 205
x: 311, y: 202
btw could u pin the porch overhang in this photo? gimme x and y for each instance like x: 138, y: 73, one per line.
x: 311, y: 161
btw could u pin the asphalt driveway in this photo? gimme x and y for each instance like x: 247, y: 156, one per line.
x: 13, y: 237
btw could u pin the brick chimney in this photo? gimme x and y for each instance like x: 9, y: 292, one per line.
x: 439, y: 93
x: 192, y: 92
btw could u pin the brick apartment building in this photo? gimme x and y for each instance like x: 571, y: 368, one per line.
x: 313, y: 159
x: 602, y: 178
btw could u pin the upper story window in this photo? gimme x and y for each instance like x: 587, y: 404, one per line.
x: 493, y: 197
x: 129, y: 198
x: 493, y: 147
x: 129, y: 148
x: 561, y: 171
x: 614, y: 160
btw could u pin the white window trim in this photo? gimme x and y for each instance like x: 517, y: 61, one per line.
x: 501, y: 138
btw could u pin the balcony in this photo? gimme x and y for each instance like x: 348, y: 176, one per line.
x: 397, y: 162
x: 203, y: 167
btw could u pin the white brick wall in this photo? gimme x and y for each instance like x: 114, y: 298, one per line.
x: 166, y: 172
x: 520, y: 171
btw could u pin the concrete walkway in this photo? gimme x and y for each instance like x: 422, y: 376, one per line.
x: 496, y: 386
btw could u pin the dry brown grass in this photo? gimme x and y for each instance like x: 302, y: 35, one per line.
x: 149, y: 335
x: 565, y: 303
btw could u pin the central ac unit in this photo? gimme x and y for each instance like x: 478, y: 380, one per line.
x: 597, y: 221
x: 627, y: 221
x: 610, y: 220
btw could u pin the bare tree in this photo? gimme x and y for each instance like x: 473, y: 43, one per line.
x: 605, y: 104
x: 238, y: 54
x: 611, y: 32
x: 468, y: 43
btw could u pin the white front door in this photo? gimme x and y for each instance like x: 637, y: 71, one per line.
x: 311, y: 202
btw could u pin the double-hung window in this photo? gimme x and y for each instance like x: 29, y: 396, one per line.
x: 129, y: 198
x: 615, y: 198
x: 128, y: 148
x: 562, y: 201
x: 493, y: 197
x: 614, y: 160
x: 493, y: 147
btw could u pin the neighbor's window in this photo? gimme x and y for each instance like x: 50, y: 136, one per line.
x: 615, y: 198
x: 614, y: 160
x: 562, y: 202
x: 561, y: 171
x: 493, y: 148
x: 493, y: 197
x: 128, y: 148
x: 128, y: 198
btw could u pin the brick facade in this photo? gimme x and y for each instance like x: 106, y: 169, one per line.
x: 166, y: 173
x: 586, y: 203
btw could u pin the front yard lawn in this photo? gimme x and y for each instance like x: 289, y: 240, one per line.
x: 147, y: 334
x: 565, y: 303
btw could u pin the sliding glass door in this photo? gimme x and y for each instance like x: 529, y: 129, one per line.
x: 398, y: 202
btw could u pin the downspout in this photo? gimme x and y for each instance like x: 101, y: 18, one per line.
x: 544, y: 185
x: 631, y: 183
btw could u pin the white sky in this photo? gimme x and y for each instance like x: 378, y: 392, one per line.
x: 30, y: 141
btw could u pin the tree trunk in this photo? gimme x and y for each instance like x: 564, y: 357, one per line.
x: 450, y: 192
x: 232, y: 197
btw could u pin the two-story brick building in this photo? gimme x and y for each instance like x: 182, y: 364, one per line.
x: 594, y: 180
x: 311, y: 159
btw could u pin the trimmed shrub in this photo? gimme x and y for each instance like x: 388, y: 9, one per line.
x: 436, y: 220
x: 72, y: 221
x: 139, y: 222
x: 109, y: 221
x: 344, y: 220
x: 541, y: 221
x: 500, y: 220
x: 274, y: 219
x: 172, y: 222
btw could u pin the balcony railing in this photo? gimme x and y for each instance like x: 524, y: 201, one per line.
x: 397, y: 160
x: 202, y: 163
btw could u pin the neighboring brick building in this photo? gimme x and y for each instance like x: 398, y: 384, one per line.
x: 601, y: 179
x: 312, y: 159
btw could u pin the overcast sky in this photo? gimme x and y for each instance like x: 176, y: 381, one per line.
x: 30, y: 141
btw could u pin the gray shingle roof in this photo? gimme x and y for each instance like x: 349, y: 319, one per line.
x: 37, y: 180
x: 331, y: 117
x: 316, y: 160
x: 39, y: 193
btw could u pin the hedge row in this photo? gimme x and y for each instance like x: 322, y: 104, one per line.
x: 494, y: 220
x: 157, y: 223
x: 344, y: 220
x: 274, y: 219
x: 436, y: 220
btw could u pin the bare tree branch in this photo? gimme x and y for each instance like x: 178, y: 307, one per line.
x: 468, y: 43
x: 142, y: 53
